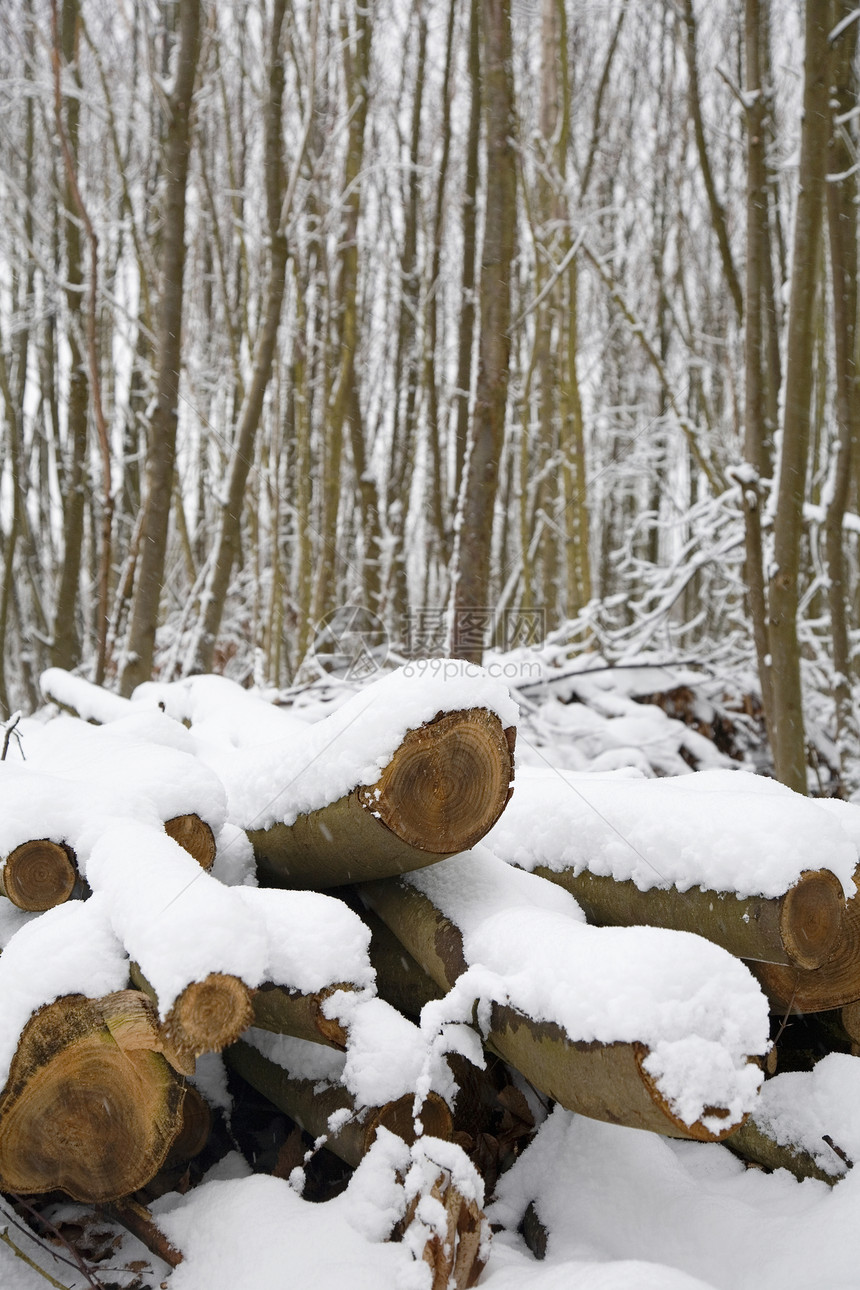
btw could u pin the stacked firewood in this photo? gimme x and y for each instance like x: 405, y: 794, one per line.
x: 391, y: 971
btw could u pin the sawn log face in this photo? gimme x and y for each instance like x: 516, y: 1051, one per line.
x: 444, y: 788
x: 89, y: 1108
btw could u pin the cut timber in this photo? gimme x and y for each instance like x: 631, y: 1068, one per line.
x: 802, y: 928
x: 312, y: 1102
x: 443, y: 789
x: 90, y: 1107
x: 207, y: 1015
x: 38, y: 875
x: 138, y: 1220
x: 605, y: 1081
x: 457, y: 1257
x: 400, y: 981
x: 834, y: 984
x: 751, y: 1143
x: 195, y: 836
x: 289, y: 1012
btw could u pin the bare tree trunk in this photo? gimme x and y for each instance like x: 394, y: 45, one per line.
x: 471, y: 591
x: 718, y: 218
x: 342, y: 404
x: 162, y: 446
x: 755, y: 407
x: 787, y: 733
x: 229, y: 532
x: 470, y: 226
x: 842, y: 198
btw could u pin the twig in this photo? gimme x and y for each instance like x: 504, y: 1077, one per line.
x: 79, y: 1262
x: 10, y: 729
x: 849, y: 1164
x: 138, y: 1220
x: 7, y: 1240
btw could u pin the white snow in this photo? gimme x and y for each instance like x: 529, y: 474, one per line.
x: 89, y: 701
x: 174, y: 919
x: 68, y: 950
x: 387, y: 1056
x: 697, y: 1007
x: 799, y: 1108
x: 143, y: 765
x: 625, y: 1210
x: 281, y: 779
x: 219, y: 709
x: 718, y: 829
x: 313, y: 940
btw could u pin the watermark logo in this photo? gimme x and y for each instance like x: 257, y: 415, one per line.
x: 426, y: 630
x: 350, y: 643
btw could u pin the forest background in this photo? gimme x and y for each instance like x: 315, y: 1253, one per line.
x: 485, y: 319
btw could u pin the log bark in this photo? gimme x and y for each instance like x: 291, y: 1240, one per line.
x: 311, y: 1102
x: 400, y: 980
x: 289, y: 1012
x: 801, y: 928
x: 833, y: 984
x: 39, y: 874
x: 206, y: 1017
x: 603, y: 1081
x: 138, y: 1220
x: 443, y: 789
x: 90, y: 1108
x: 751, y: 1143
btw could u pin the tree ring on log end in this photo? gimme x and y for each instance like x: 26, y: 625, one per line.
x: 39, y: 874
x: 210, y: 1014
x: 195, y: 836
x: 80, y: 1114
x: 399, y: 1117
x: 447, y: 784
x: 811, y: 917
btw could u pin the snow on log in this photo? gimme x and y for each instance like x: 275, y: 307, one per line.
x: 386, y: 1067
x: 638, y: 1026
x: 807, y: 1122
x: 444, y: 1225
x: 316, y: 946
x: 322, y: 1105
x: 720, y: 853
x: 410, y: 769
x: 144, y: 767
x: 81, y: 698
x: 446, y: 784
x: 193, y: 939
x: 219, y: 710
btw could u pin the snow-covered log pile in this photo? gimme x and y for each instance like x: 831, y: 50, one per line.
x: 434, y: 996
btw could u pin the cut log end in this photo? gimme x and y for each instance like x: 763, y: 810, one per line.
x: 38, y: 875
x: 677, y: 1127
x: 448, y: 783
x: 811, y: 918
x: 209, y: 1014
x: 82, y: 1114
x: 399, y: 1118
x: 195, y: 836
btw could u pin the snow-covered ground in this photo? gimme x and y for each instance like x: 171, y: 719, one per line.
x: 623, y: 1209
